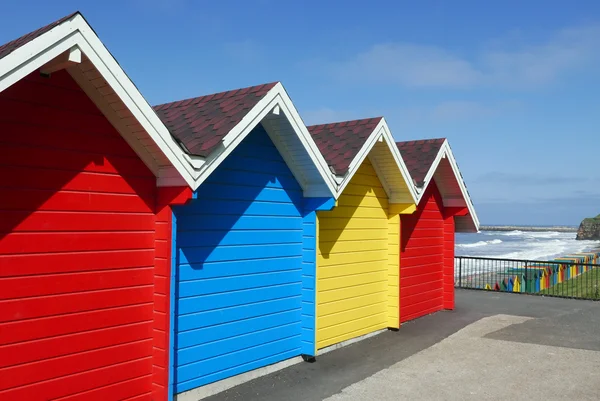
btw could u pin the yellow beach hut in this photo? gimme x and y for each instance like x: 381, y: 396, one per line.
x: 358, y: 241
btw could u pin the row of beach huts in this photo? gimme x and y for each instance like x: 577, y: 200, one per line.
x: 153, y: 251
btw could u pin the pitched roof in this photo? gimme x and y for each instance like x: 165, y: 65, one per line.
x: 340, y: 142
x: 419, y: 156
x: 13, y: 45
x: 201, y: 123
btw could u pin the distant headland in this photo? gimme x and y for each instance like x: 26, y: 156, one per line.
x: 560, y: 229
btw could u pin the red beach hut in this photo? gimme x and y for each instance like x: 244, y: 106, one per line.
x: 427, y: 237
x: 87, y: 176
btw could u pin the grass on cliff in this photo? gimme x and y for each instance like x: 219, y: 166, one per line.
x: 586, y: 285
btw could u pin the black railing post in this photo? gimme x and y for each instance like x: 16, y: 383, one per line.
x: 459, y: 272
x: 526, y: 278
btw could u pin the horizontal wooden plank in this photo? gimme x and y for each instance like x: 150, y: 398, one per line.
x: 208, y: 193
x: 232, y: 355
x: 30, y: 199
x: 334, y: 259
x: 78, y: 383
x: 48, y: 263
x: 326, y: 272
x: 218, y: 222
x: 351, y: 234
x: 236, y: 331
x: 32, y: 329
x: 136, y: 389
x: 224, y: 269
x: 354, y: 328
x: 52, y: 368
x: 349, y: 200
x: 413, y: 311
x: 244, y: 252
x: 343, y: 223
x: 42, y: 93
x: 20, y: 221
x: 365, y: 190
x: 225, y: 209
x: 36, y: 178
x: 34, y: 242
x: 358, y: 312
x: 357, y: 245
x: 353, y: 280
x: 236, y: 313
x: 257, y: 179
x: 239, y: 282
x: 30, y: 308
x: 261, y: 359
x: 74, y: 160
x: 345, y: 293
x: 205, y: 238
x: 227, y: 300
x: 35, y: 286
x: 59, y: 139
x: 14, y: 354
x: 55, y: 117
x: 349, y: 304
x: 407, y: 281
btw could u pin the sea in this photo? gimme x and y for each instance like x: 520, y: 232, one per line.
x: 524, y: 245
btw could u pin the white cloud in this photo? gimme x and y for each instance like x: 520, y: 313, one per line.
x: 409, y: 65
x: 416, y: 65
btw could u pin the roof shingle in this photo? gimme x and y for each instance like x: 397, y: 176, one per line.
x: 419, y: 156
x: 340, y: 142
x: 13, y: 45
x: 201, y: 123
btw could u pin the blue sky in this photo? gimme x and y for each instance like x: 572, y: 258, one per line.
x: 514, y: 85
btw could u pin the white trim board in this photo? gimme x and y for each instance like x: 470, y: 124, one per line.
x: 446, y: 152
x: 381, y: 131
x: 275, y: 100
x: 75, y: 34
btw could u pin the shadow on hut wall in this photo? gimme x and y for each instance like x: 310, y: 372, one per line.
x: 61, y: 158
x: 346, y: 209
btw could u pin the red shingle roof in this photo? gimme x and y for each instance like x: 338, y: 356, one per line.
x: 340, y: 142
x: 419, y: 156
x: 201, y: 123
x: 11, y: 46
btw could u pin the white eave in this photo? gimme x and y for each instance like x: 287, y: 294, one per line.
x: 452, y: 187
x: 74, y: 46
x: 276, y: 112
x: 387, y: 161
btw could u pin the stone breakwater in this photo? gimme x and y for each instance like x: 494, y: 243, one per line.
x: 560, y: 229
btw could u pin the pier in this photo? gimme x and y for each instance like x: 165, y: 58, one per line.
x: 561, y: 229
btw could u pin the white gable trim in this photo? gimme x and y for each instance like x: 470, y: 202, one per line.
x: 381, y: 131
x: 75, y: 33
x: 444, y: 152
x: 275, y: 100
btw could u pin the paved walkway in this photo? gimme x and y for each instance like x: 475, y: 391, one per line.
x: 494, y: 346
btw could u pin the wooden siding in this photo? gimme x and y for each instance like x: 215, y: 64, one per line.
x: 422, y: 258
x: 353, y: 262
x: 77, y: 239
x: 241, y: 278
x: 449, y: 229
x: 393, y: 271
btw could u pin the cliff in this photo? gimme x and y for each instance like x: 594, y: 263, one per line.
x: 589, y: 229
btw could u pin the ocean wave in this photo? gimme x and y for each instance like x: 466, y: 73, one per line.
x: 512, y: 233
x: 480, y: 243
x: 550, y: 250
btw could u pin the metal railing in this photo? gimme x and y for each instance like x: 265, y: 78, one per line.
x: 568, y: 277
